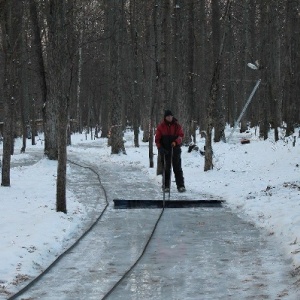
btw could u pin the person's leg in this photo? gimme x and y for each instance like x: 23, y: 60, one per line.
x: 177, y: 168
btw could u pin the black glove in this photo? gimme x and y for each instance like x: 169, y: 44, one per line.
x: 162, y: 151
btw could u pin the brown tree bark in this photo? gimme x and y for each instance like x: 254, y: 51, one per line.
x: 116, y: 15
x: 213, y: 94
x: 40, y: 69
x: 11, y: 12
x: 218, y: 119
x: 62, y: 12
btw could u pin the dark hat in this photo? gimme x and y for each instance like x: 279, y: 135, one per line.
x: 168, y: 113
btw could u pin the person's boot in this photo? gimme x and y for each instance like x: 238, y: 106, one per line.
x: 181, y: 189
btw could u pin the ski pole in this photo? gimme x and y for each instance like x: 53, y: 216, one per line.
x: 164, y: 180
x: 171, y: 167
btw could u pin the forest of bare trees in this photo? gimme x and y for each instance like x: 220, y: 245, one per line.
x: 77, y: 64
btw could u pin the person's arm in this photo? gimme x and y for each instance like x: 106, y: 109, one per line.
x: 180, y: 135
x: 158, y: 137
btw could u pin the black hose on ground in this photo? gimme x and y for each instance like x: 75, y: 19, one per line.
x: 36, y: 279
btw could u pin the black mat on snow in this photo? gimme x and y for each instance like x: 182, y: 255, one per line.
x: 127, y: 204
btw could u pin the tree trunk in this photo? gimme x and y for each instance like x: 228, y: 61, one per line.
x: 78, y: 111
x: 32, y: 124
x: 11, y: 23
x: 61, y: 202
x: 135, y: 81
x: 155, y: 95
x: 40, y: 66
x: 117, y: 143
x: 63, y: 13
x: 218, y: 118
x: 213, y: 94
x: 291, y: 88
x: 24, y: 101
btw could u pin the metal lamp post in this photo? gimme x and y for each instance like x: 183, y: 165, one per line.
x: 254, y: 67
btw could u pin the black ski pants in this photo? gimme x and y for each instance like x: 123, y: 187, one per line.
x: 173, y: 158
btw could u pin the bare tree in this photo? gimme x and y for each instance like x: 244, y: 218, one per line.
x: 291, y: 76
x: 116, y: 15
x: 24, y: 91
x: 58, y: 79
x: 186, y: 99
x: 214, y: 92
x: 53, y: 80
x: 219, y: 122
x: 11, y: 21
x: 156, y: 80
x: 136, y: 76
x: 63, y: 34
x: 39, y: 89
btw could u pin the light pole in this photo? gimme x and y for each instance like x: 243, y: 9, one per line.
x: 254, y: 67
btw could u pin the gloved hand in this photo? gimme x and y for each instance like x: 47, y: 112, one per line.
x: 163, y: 151
x: 173, y: 144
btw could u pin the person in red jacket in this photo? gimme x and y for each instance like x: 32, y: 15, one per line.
x: 168, y: 140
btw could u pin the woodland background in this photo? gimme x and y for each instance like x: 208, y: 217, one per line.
x: 71, y: 65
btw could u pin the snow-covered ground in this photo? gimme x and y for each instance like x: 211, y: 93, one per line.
x: 260, y: 181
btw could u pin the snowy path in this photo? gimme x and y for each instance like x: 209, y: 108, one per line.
x: 203, y: 253
x: 207, y: 254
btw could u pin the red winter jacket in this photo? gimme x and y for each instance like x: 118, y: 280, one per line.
x: 166, y: 133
